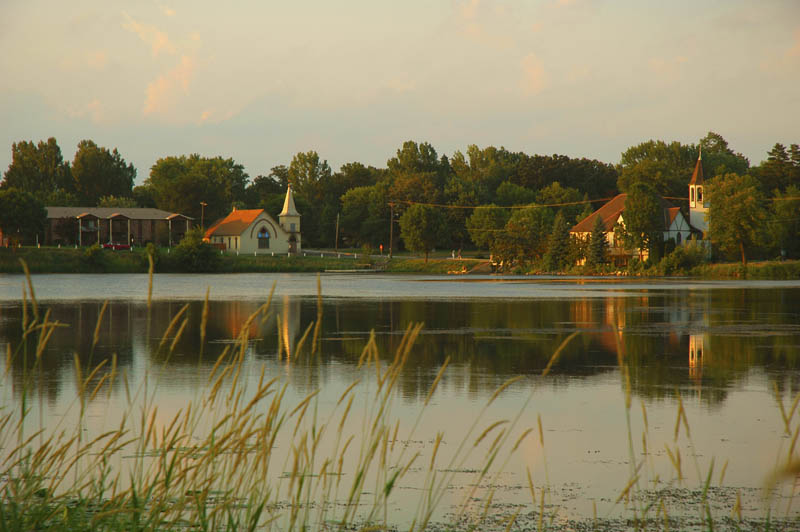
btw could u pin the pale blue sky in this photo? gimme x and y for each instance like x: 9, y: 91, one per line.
x: 261, y: 80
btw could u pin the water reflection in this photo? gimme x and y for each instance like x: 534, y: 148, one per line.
x: 698, y: 341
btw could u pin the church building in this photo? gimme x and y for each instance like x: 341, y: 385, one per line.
x: 255, y: 231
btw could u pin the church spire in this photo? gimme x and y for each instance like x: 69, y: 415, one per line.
x: 288, y: 204
x: 697, y: 175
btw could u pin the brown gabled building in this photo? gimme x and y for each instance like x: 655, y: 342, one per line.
x: 133, y: 226
x: 613, y: 213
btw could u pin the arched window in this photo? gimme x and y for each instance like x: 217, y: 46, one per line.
x: 691, y: 194
x: 679, y: 238
x: 263, y: 238
x: 699, y: 194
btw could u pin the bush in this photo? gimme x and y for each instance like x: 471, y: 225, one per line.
x: 94, y: 256
x: 194, y: 255
x: 682, y: 260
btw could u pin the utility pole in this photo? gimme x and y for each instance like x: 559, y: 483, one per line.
x: 337, y: 232
x: 391, y: 228
x: 203, y: 214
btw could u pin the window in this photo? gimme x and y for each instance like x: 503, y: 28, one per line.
x: 699, y: 194
x: 691, y: 194
x: 263, y: 238
x: 679, y: 237
x: 291, y: 228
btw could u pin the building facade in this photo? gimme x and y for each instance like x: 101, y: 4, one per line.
x: 254, y: 231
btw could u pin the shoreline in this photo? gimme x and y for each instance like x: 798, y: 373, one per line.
x: 72, y: 260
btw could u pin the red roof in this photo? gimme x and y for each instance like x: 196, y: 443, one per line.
x: 234, y: 224
x: 609, y: 213
x: 697, y: 175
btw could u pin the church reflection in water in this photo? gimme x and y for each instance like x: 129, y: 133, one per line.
x: 486, y: 340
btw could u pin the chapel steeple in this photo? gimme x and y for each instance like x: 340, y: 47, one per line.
x: 698, y: 207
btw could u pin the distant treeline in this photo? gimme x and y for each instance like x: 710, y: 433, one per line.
x: 359, y: 199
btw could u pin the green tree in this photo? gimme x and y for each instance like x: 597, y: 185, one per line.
x: 780, y: 170
x: 114, y: 201
x: 644, y: 219
x: 22, y: 216
x: 365, y: 215
x: 591, y: 177
x: 718, y: 158
x: 417, y: 174
x: 486, y: 224
x: 558, y: 245
x: 181, y: 184
x: 524, y: 238
x: 563, y: 199
x: 597, y: 252
x: 421, y: 228
x: 666, y: 167
x: 784, y: 226
x: 736, y: 213
x: 98, y: 172
x: 38, y: 169
x: 193, y: 255
x: 509, y: 194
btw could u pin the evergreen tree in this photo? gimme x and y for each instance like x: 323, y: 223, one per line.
x: 558, y: 246
x: 598, y: 244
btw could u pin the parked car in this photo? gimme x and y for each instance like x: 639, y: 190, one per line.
x: 116, y: 246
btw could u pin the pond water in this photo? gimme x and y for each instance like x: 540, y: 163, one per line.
x: 727, y: 353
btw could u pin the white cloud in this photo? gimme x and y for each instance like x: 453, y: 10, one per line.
x: 97, y: 59
x: 534, y: 76
x: 164, y: 91
x: 168, y: 11
x: 150, y: 35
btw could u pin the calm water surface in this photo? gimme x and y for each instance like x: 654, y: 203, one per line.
x: 729, y: 351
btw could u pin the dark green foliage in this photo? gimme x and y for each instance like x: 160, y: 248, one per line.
x: 181, y: 184
x: 96, y: 172
x: 94, y: 257
x: 194, y: 255
x: 365, y: 216
x: 736, y: 214
x: 718, y: 158
x: 509, y: 194
x: 22, y: 216
x: 780, y: 170
x: 592, y: 177
x: 597, y: 249
x: 784, y: 222
x: 421, y: 228
x: 644, y: 219
x: 40, y: 170
x: 558, y: 245
x: 486, y: 225
x: 525, y: 236
x: 683, y: 259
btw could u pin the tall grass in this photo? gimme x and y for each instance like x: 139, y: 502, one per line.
x: 242, y: 456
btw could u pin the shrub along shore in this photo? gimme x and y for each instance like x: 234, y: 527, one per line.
x: 98, y: 260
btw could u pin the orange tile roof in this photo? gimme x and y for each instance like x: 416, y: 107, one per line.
x: 234, y: 224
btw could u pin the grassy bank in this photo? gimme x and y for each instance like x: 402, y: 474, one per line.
x: 93, y: 260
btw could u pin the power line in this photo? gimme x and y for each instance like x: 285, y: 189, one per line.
x: 529, y: 206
